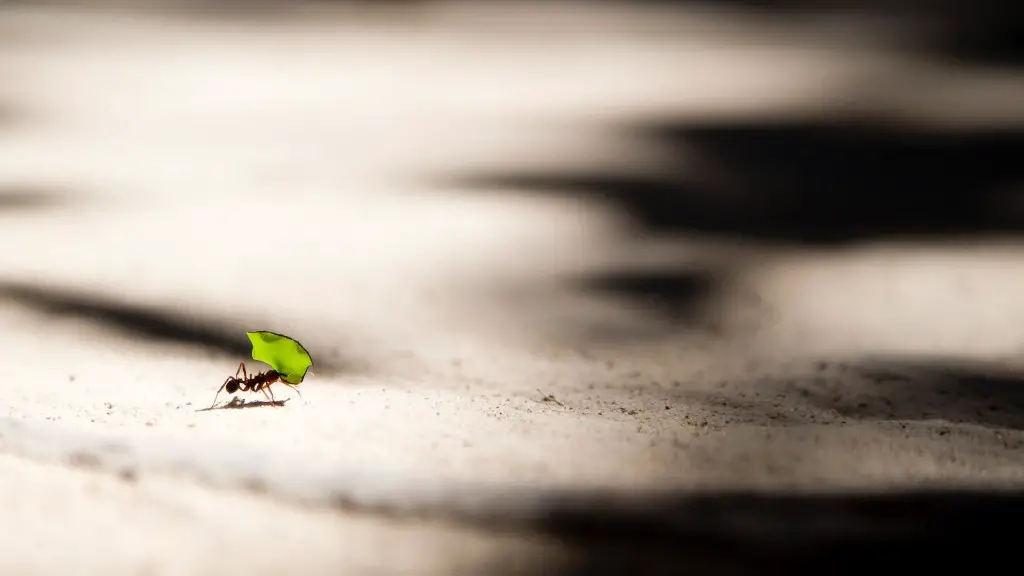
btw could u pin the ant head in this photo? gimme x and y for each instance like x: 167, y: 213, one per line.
x: 232, y: 386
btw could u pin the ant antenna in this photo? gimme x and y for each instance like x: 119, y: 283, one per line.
x: 293, y: 387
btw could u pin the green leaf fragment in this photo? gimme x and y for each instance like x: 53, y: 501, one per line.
x: 285, y: 355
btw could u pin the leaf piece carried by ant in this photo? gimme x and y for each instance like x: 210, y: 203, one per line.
x: 285, y: 355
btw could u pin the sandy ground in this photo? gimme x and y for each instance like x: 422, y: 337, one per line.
x: 169, y: 183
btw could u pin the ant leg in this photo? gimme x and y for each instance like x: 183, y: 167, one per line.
x: 217, y: 395
x: 241, y: 368
x: 269, y: 395
x: 260, y: 388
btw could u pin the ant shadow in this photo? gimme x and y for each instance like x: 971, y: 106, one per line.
x: 238, y: 404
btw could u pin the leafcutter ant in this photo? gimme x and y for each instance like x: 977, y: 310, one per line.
x: 260, y: 382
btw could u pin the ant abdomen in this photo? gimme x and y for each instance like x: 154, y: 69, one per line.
x: 231, y: 386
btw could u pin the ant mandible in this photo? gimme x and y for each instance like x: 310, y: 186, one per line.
x: 256, y: 383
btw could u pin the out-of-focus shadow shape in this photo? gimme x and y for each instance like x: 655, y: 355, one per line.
x: 253, y: 11
x: 809, y: 182
x: 741, y: 533
x: 148, y: 323
x: 926, y: 390
x: 7, y: 114
x: 21, y: 198
x: 677, y: 293
x: 988, y: 32
x: 620, y: 303
x: 12, y: 114
x: 673, y: 299
x: 151, y: 323
x: 896, y: 390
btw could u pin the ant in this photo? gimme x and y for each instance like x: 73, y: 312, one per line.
x: 256, y: 383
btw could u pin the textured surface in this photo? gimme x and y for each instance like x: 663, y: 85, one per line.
x: 477, y: 347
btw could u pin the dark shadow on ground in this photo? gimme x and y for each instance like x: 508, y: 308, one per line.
x: 954, y: 392
x: 791, y: 183
x: 20, y: 198
x: 678, y: 293
x: 834, y: 531
x: 874, y: 390
x: 138, y: 321
x: 988, y: 32
x: 807, y: 182
x: 671, y: 298
x: 154, y: 324
x: 739, y: 533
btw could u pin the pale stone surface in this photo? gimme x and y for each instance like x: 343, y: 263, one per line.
x: 279, y: 175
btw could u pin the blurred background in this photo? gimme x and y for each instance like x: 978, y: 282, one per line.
x: 784, y: 216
